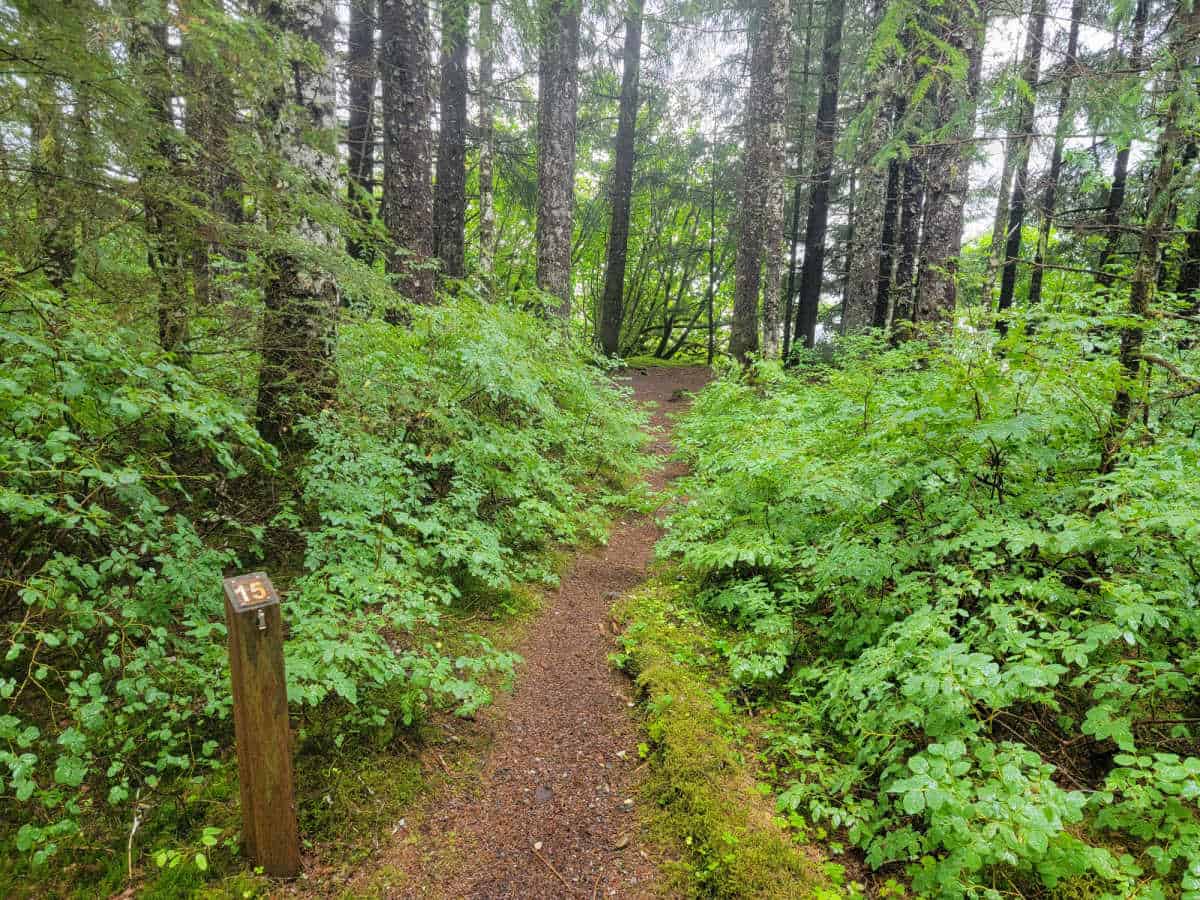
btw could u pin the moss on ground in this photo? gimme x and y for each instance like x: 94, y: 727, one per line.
x: 705, y: 809
x: 653, y: 362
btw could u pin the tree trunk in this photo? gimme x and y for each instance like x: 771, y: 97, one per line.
x: 711, y: 291
x: 1062, y: 125
x: 1016, y: 212
x: 866, y: 235
x: 487, y: 137
x: 1163, y: 185
x: 813, y: 274
x: 911, y: 202
x: 798, y: 189
x: 863, y: 254
x: 160, y: 181
x: 1003, y: 196
x: 887, y: 247
x: 558, y: 76
x: 887, y: 239
x: 207, y: 118
x: 299, y: 326
x: 450, y: 197
x: 765, y: 105
x: 947, y: 175
x: 360, y: 133
x: 407, y: 191
x: 852, y: 223
x: 622, y: 187
x: 1116, y: 194
x: 775, y: 153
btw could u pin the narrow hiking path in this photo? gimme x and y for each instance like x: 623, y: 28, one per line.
x: 553, y: 810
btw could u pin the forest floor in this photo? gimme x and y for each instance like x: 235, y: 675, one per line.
x: 551, y: 808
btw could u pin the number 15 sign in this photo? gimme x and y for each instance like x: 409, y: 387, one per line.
x: 249, y: 592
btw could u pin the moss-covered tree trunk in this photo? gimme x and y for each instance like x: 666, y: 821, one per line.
x: 299, y: 326
x: 1164, y: 185
x: 487, y: 137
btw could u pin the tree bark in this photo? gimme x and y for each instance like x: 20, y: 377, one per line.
x: 299, y: 326
x: 863, y: 257
x: 360, y: 133
x: 1116, y: 194
x: 450, y: 196
x: 798, y: 188
x: 775, y: 152
x: 487, y: 137
x: 622, y: 187
x: 558, y: 76
x: 1061, y: 126
x: 947, y: 174
x: 711, y: 290
x: 852, y: 224
x: 887, y: 239
x: 160, y: 180
x: 1016, y: 212
x: 407, y: 191
x: 911, y: 202
x: 813, y: 274
x: 768, y: 81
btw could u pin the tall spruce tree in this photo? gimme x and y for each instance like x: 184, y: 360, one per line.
x: 622, y: 183
x: 812, y: 275
x: 450, y: 197
x: 558, y: 100
x: 404, y: 61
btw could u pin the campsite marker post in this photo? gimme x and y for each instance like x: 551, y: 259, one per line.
x: 260, y: 722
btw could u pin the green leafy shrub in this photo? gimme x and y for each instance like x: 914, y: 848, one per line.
x: 454, y: 458
x: 979, y: 654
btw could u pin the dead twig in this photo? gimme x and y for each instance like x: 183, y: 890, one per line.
x: 545, y: 862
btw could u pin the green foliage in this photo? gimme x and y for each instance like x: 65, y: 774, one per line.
x: 130, y: 487
x: 979, y: 654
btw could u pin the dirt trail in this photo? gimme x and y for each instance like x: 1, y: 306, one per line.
x: 563, y: 764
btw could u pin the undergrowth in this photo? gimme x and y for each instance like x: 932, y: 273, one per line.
x: 444, y: 474
x: 978, y: 652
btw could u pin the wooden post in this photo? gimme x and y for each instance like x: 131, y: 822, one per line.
x: 260, y: 721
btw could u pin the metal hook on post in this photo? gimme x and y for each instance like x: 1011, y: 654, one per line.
x: 262, y: 620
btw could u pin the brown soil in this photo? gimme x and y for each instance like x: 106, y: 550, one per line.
x: 553, y: 813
